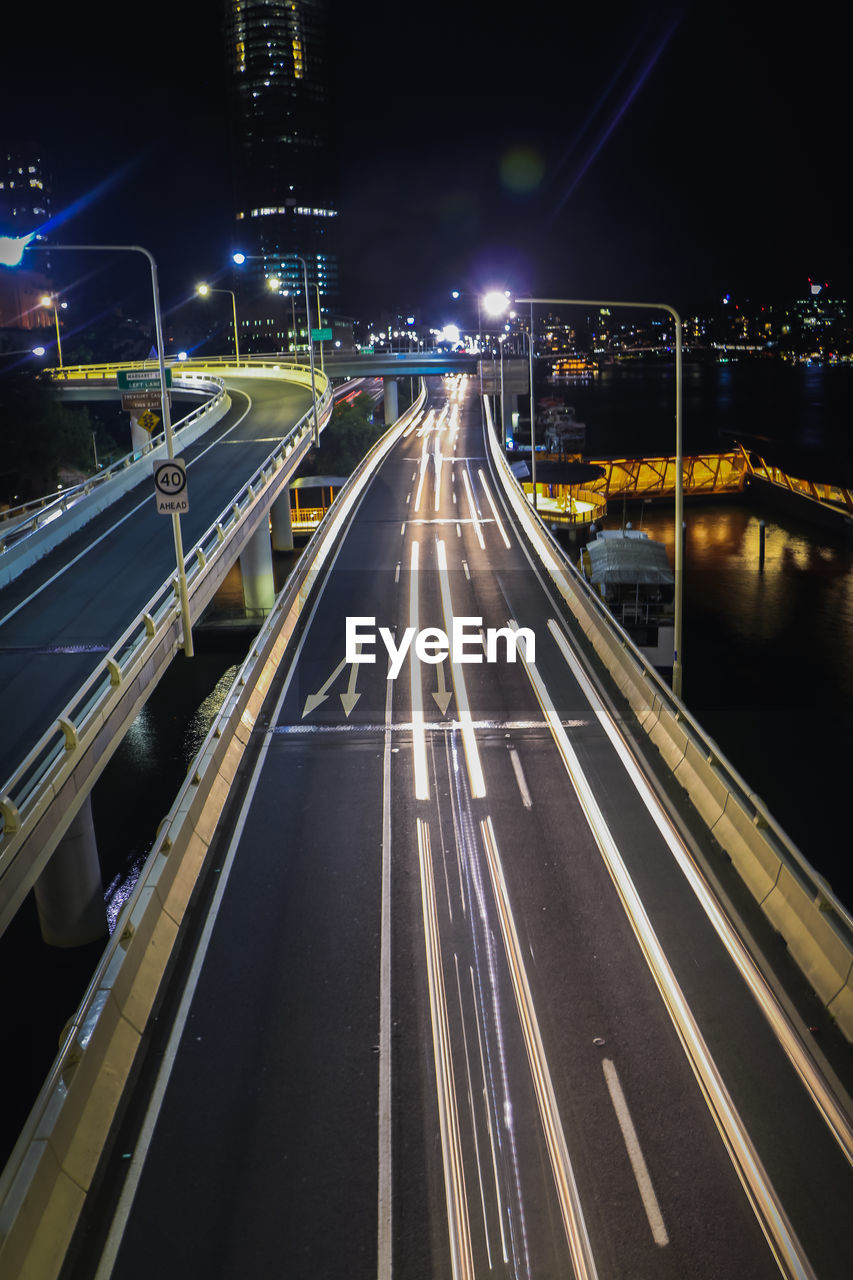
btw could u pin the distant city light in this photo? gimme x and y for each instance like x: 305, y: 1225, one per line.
x: 450, y: 333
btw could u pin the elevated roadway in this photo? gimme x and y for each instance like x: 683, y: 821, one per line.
x: 455, y: 999
x: 68, y: 625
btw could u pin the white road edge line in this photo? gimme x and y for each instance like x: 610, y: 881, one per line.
x: 498, y: 520
x: 635, y: 1154
x: 829, y: 1106
x: 384, y: 1233
x: 571, y: 1209
x: 786, y: 1248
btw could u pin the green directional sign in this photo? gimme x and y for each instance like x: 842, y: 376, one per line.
x: 366, y: 351
x: 321, y: 335
x: 141, y: 379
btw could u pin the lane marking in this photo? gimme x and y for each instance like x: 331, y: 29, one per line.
x: 469, y: 737
x: 384, y: 1233
x: 474, y: 519
x: 478, y: 1021
x: 635, y: 1154
x: 418, y: 736
x: 568, y: 1195
x: 470, y: 1087
x: 829, y: 1106
x: 458, y: 1226
x: 747, y: 1164
x: 520, y: 778
x: 498, y: 520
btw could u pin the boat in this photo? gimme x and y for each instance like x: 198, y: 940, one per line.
x: 558, y: 428
x: 631, y: 574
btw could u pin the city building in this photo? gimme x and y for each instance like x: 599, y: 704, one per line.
x: 24, y: 207
x: 285, y: 172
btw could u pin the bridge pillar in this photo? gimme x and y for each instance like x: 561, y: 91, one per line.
x: 392, y: 413
x: 140, y: 440
x: 69, y: 893
x: 282, y: 527
x: 256, y: 569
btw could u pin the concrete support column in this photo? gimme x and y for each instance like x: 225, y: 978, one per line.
x: 256, y: 568
x: 391, y: 411
x: 69, y: 893
x: 282, y: 527
x: 140, y: 440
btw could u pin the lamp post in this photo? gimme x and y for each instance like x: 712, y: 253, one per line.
x: 203, y: 290
x: 274, y: 284
x: 319, y: 326
x: 167, y: 419
x: 49, y: 300
x: 677, y: 665
x: 240, y: 258
x: 310, y: 350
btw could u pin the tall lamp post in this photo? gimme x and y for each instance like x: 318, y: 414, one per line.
x: 49, y: 300
x: 677, y: 664
x: 240, y: 258
x: 203, y: 290
x: 274, y: 284
x: 8, y: 250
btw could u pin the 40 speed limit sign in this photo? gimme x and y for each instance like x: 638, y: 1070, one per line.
x: 170, y: 484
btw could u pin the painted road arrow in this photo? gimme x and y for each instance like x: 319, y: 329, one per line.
x: 444, y: 694
x: 348, y: 699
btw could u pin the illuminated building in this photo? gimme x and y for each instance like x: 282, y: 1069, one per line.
x: 284, y: 171
x: 24, y: 206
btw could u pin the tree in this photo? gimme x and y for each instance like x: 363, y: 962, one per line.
x: 39, y: 434
x: 350, y: 433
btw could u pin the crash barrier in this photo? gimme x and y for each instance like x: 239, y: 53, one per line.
x: 39, y: 801
x: 29, y: 532
x: 815, y: 926
x: 44, y: 1186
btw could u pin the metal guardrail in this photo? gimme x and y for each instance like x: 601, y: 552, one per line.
x: 30, y: 787
x: 15, y: 523
x: 556, y: 562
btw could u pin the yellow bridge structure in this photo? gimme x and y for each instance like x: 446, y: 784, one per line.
x: 705, y: 475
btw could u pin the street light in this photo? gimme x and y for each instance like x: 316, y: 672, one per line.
x: 49, y: 300
x: 240, y: 258
x: 679, y: 464
x: 11, y: 252
x: 203, y: 290
x: 274, y: 283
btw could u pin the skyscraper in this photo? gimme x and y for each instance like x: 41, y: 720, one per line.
x: 284, y: 169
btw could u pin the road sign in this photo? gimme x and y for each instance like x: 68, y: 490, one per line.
x: 134, y: 400
x: 170, y: 485
x: 321, y: 335
x: 148, y: 421
x: 141, y: 379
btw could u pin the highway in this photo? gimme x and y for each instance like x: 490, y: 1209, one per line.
x: 64, y: 613
x: 453, y: 1002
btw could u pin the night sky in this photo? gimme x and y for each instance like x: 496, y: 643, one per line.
x: 663, y: 153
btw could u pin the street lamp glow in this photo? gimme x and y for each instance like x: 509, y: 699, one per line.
x: 38, y: 351
x: 495, y: 303
x: 239, y: 258
x: 202, y: 289
x: 12, y: 249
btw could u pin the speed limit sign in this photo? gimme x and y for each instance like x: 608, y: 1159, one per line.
x: 170, y: 485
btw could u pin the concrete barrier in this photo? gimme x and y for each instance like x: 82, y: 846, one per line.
x: 44, y: 1186
x: 815, y: 926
